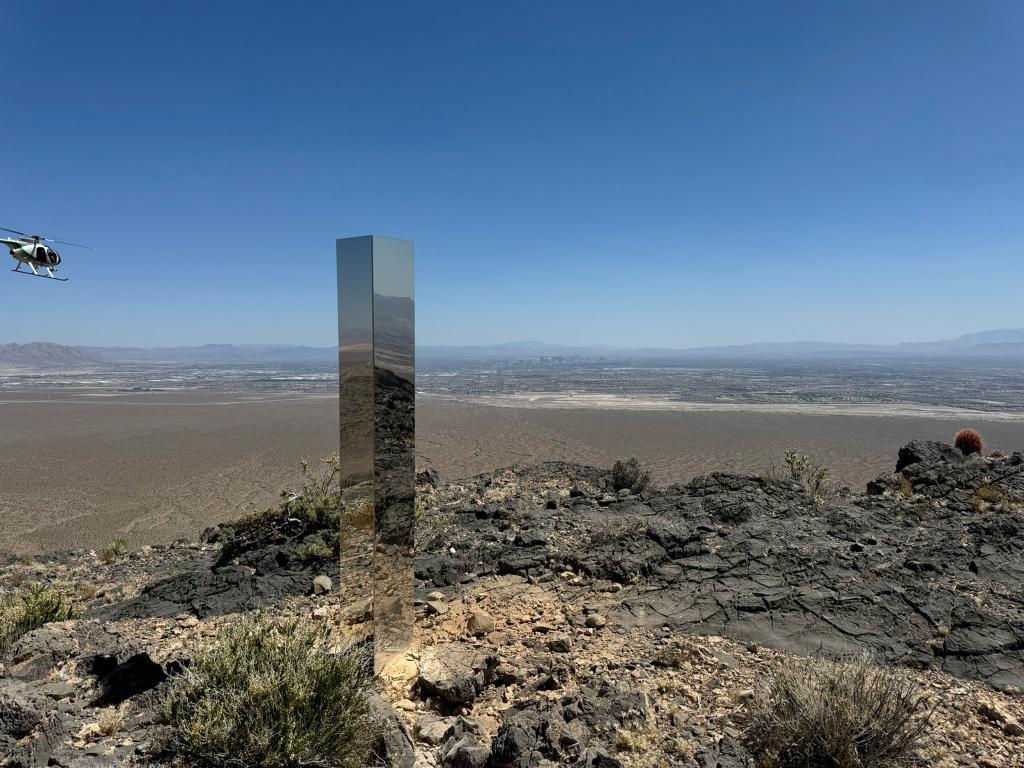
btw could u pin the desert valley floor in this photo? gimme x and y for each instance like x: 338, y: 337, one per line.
x: 79, y: 469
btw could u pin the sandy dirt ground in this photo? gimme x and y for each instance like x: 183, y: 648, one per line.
x: 462, y: 439
x: 79, y: 470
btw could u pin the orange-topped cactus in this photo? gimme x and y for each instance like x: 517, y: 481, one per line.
x: 968, y: 441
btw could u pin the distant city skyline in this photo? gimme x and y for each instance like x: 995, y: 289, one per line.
x: 666, y: 175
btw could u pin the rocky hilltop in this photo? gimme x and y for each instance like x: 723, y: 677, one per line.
x: 44, y: 355
x: 560, y: 621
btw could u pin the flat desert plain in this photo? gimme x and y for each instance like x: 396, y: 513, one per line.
x: 77, y: 470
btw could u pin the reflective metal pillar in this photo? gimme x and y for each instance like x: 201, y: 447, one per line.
x: 376, y: 366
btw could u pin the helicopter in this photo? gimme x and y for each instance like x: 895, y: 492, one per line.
x: 31, y: 251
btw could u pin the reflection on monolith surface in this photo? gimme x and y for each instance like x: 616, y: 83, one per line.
x: 376, y: 310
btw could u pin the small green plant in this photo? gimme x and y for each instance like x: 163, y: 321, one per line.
x: 813, y: 476
x: 431, y: 518
x: 30, y: 608
x: 322, y: 486
x: 314, y: 550
x: 115, y: 550
x: 841, y: 715
x: 317, y: 505
x: 630, y: 474
x: 271, y: 694
x: 431, y: 522
x: 968, y: 441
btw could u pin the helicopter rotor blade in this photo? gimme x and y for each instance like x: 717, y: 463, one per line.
x: 16, y: 232
x: 65, y: 242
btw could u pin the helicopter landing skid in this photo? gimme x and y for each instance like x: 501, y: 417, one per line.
x: 45, y: 277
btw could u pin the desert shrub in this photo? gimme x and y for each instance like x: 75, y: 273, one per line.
x: 318, y: 549
x: 29, y: 609
x: 317, y: 505
x: 985, y: 495
x: 110, y: 721
x: 321, y: 492
x: 968, y: 441
x: 904, y: 484
x: 839, y: 715
x: 271, y: 694
x: 115, y: 550
x: 630, y: 474
x: 431, y: 523
x: 814, y: 477
x: 613, y: 529
x: 989, y: 493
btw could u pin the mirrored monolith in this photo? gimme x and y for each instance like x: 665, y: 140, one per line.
x: 376, y: 367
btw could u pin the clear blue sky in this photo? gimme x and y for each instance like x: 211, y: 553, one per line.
x: 638, y: 173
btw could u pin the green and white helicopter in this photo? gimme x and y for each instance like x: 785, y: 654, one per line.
x: 31, y: 251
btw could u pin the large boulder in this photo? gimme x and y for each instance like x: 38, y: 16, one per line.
x: 928, y: 452
x: 29, y: 728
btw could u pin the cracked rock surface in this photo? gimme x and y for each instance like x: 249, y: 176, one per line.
x: 926, y: 570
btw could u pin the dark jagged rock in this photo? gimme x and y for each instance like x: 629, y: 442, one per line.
x: 927, y: 452
x: 132, y: 676
x: 457, y: 681
x: 925, y: 579
x: 428, y: 477
x: 40, y: 711
x: 38, y: 654
x: 393, y: 745
x: 562, y: 731
x: 466, y: 752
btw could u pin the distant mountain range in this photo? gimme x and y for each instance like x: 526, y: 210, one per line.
x: 999, y: 343
x: 219, y: 353
x: 1005, y: 343
x: 43, y: 354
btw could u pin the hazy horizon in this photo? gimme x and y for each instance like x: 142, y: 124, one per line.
x: 639, y: 345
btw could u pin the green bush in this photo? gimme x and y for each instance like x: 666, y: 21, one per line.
x: 630, y: 474
x: 314, y: 550
x: 117, y: 549
x: 321, y: 489
x: 814, y: 477
x: 839, y: 715
x: 270, y: 694
x: 29, y: 609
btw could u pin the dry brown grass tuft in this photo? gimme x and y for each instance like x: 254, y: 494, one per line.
x: 110, y: 721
